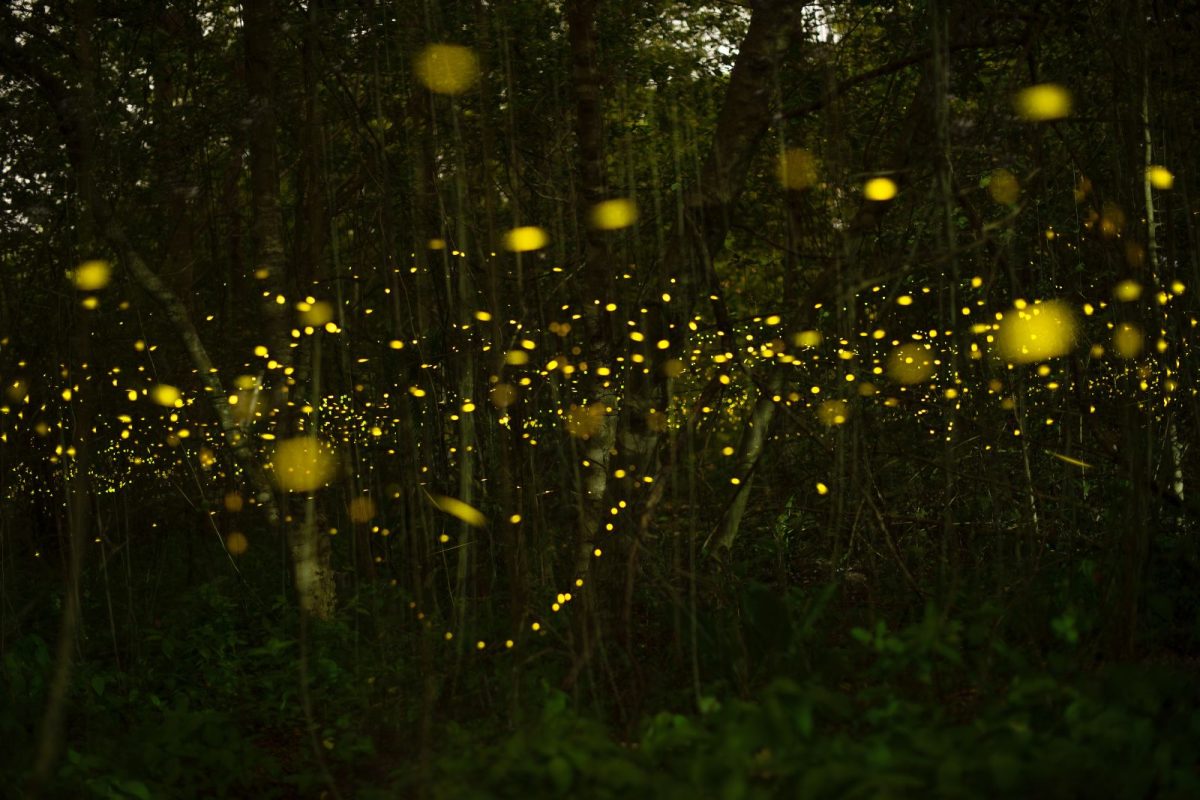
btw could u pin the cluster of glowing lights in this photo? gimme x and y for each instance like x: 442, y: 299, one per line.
x: 1026, y: 334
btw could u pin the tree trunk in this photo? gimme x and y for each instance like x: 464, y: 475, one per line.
x: 310, y: 556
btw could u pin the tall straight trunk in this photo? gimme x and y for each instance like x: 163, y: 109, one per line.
x: 77, y: 458
x: 597, y: 284
x: 311, y: 565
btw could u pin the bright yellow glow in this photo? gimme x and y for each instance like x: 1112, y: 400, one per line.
x: 611, y: 215
x: 1160, y: 177
x: 910, y: 363
x: 879, y: 189
x: 1127, y: 291
x: 822, y: 489
x: 807, y: 339
x: 1037, y: 332
x: 457, y: 508
x: 303, y: 464
x: 1043, y: 102
x: 525, y: 239
x: 316, y: 314
x: 165, y: 395
x: 797, y: 169
x: 1128, y: 340
x: 91, y: 276
x: 447, y: 68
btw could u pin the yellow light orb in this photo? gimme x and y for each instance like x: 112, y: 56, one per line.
x: 447, y: 68
x: 879, y: 189
x: 910, y: 363
x: 525, y: 239
x: 303, y: 464
x: 91, y: 276
x: 463, y: 511
x: 316, y: 314
x: 1127, y: 291
x: 1128, y: 340
x: 807, y: 339
x: 236, y: 543
x: 1037, y: 332
x: 1160, y: 177
x: 165, y: 395
x: 612, y: 215
x: 1043, y: 102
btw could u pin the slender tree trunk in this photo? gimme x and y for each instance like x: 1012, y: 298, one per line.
x: 598, y: 286
x: 313, y: 571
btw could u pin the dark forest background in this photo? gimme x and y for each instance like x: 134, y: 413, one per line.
x: 605, y: 398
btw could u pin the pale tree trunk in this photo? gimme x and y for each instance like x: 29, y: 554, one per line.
x: 310, y: 556
x: 1174, y: 444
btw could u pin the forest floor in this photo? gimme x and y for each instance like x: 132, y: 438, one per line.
x: 210, y: 705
